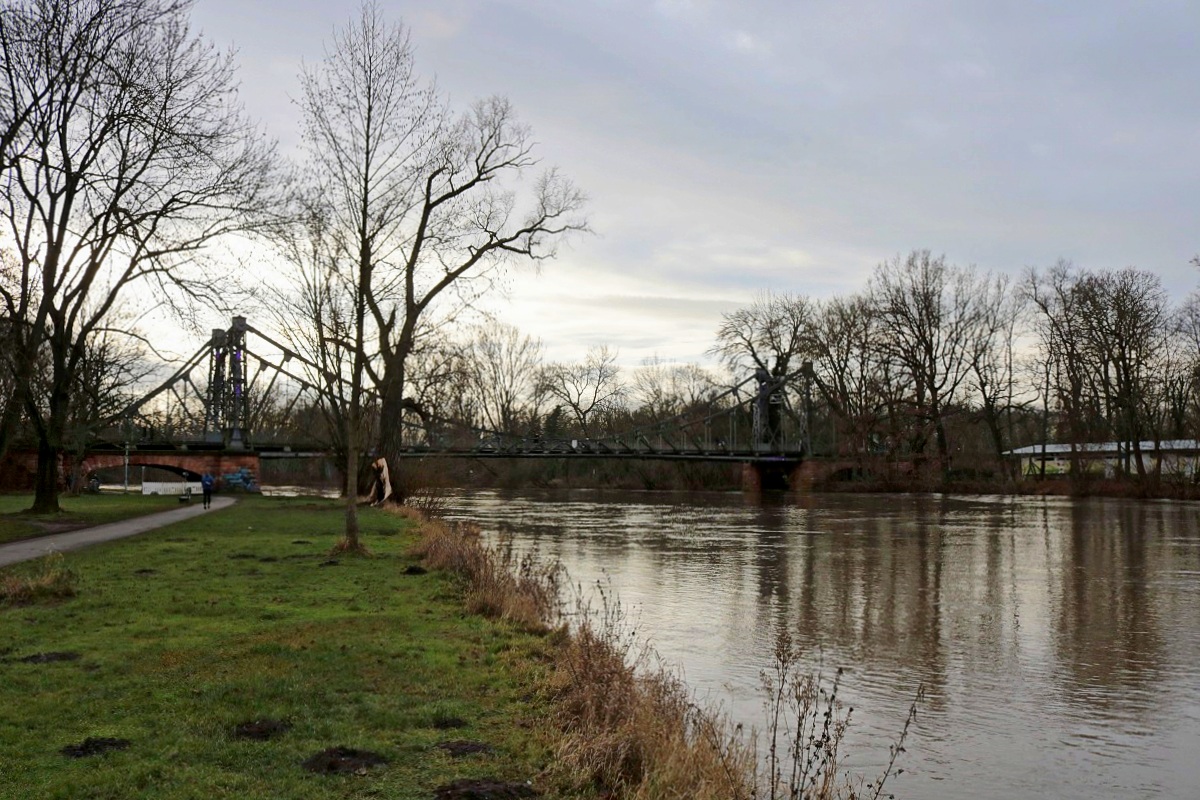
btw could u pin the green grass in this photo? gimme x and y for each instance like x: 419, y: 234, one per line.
x: 186, y: 631
x: 77, y: 512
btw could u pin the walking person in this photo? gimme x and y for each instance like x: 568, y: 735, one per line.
x: 206, y: 483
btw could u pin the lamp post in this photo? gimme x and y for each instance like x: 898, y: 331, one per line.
x: 128, y: 434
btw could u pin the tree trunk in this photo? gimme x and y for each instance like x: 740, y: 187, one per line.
x: 350, y: 540
x: 392, y: 407
x: 45, y: 490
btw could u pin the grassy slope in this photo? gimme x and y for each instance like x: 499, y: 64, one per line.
x: 78, y: 512
x: 356, y: 654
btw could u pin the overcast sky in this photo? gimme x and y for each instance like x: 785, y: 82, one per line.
x: 792, y: 145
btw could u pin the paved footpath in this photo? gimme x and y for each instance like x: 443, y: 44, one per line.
x: 27, y: 549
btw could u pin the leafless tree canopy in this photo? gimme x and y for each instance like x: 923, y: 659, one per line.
x: 125, y: 154
x: 502, y: 366
x: 587, y: 389
x: 415, y: 208
x: 770, y: 334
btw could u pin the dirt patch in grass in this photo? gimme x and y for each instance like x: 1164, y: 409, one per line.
x: 447, y: 723
x: 261, y: 729
x: 94, y: 746
x: 414, y: 569
x: 343, y: 760
x: 461, y: 747
x: 49, y: 658
x: 483, y: 789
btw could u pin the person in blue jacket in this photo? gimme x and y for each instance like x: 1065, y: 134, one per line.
x: 206, y: 483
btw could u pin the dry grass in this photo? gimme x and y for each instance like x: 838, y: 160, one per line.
x: 630, y: 727
x: 50, y: 579
x: 499, y: 585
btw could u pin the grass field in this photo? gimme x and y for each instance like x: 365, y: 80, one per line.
x: 78, y: 512
x: 177, y: 636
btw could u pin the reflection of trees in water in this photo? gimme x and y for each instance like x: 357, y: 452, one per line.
x: 908, y: 583
x: 946, y: 590
x: 859, y: 577
x: 1109, y: 631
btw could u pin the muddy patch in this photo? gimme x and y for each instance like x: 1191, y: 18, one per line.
x: 94, y: 746
x: 447, y: 722
x: 461, y: 747
x: 483, y: 789
x: 261, y: 729
x: 49, y: 658
x: 413, y: 569
x: 343, y: 760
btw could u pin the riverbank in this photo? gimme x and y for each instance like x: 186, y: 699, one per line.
x: 181, y: 646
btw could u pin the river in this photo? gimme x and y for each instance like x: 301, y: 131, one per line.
x: 1058, y: 640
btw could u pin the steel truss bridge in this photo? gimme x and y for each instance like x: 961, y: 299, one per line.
x: 226, y: 396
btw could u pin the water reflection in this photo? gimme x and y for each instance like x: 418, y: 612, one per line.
x: 1058, y: 640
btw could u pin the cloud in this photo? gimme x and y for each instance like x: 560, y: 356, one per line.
x: 748, y: 43
x: 440, y: 23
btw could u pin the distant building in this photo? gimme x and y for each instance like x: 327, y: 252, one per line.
x: 1176, y: 457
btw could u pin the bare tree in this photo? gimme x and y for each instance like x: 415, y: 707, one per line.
x: 414, y: 201
x: 114, y: 365
x: 127, y: 154
x: 588, y: 388
x: 851, y: 373
x: 769, y: 334
x: 1060, y: 325
x: 314, y: 312
x: 1104, y: 338
x: 502, y: 366
x: 660, y: 389
x: 1126, y: 331
x: 993, y: 360
x: 929, y: 316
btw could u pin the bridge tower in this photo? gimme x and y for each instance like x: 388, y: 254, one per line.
x: 768, y: 402
x: 227, y: 407
x: 770, y: 437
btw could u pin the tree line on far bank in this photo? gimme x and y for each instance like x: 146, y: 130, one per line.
x: 934, y: 364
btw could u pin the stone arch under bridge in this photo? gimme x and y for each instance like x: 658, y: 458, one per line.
x: 188, y: 465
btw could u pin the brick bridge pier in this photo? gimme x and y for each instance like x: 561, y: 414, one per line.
x: 758, y: 476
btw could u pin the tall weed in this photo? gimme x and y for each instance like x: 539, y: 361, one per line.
x: 49, y: 579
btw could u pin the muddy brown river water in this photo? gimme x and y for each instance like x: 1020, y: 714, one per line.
x: 1058, y: 640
